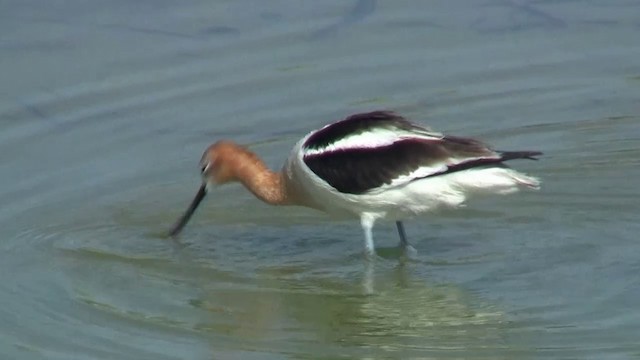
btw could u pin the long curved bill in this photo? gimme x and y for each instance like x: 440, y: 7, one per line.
x: 175, y: 230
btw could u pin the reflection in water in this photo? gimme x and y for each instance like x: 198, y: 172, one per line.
x: 330, y: 317
x: 368, y: 277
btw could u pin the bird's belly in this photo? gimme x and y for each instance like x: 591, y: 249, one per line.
x: 399, y: 203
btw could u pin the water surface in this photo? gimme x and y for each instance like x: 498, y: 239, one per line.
x: 105, y: 108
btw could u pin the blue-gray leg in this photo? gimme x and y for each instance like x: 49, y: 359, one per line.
x: 408, y: 250
x: 403, y: 235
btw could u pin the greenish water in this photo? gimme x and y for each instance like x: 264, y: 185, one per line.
x: 105, y: 108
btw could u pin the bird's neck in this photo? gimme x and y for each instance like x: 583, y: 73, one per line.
x: 266, y: 185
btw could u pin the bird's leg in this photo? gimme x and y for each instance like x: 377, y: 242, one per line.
x: 367, y: 221
x: 403, y: 235
x: 408, y: 250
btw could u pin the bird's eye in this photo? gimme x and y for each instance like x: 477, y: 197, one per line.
x: 204, y: 168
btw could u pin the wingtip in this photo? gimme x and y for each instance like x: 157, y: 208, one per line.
x: 530, y: 155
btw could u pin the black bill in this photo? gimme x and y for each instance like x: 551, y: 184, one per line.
x: 175, y: 230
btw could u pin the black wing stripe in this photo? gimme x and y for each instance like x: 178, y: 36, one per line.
x: 484, y: 162
x: 356, y: 171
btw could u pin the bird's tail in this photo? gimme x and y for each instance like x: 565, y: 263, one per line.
x: 520, y: 178
x: 511, y: 155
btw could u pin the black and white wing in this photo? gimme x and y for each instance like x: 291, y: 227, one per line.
x: 377, y: 150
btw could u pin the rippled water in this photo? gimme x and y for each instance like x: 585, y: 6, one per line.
x: 105, y: 108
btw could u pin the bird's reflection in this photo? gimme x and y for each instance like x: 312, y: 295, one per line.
x: 388, y: 305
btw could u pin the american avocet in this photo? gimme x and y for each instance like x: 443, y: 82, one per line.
x: 374, y: 165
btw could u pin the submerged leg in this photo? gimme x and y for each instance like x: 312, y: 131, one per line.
x: 409, y: 250
x: 403, y: 235
x: 367, y: 221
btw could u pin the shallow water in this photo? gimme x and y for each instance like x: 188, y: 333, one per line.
x: 105, y: 108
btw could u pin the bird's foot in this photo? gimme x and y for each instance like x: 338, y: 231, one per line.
x: 409, y: 252
x: 370, y: 254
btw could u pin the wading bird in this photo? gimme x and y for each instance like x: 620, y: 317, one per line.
x: 375, y: 165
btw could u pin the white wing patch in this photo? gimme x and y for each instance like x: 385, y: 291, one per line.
x: 373, y: 139
x: 425, y: 171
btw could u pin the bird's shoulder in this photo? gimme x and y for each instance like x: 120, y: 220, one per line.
x: 365, y: 130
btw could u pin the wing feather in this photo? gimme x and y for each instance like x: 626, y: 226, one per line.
x: 377, y: 150
x: 366, y: 130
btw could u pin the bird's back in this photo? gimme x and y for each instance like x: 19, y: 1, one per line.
x: 377, y: 154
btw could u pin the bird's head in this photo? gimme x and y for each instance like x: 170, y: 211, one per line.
x: 216, y: 168
x: 216, y: 165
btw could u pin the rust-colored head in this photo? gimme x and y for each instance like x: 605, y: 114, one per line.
x: 218, y: 165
